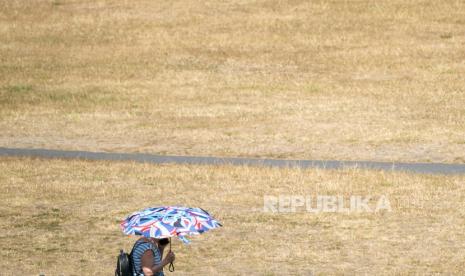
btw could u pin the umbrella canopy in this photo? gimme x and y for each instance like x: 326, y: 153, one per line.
x: 169, y: 221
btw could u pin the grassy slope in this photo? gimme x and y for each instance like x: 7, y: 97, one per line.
x: 322, y: 79
x: 51, y: 209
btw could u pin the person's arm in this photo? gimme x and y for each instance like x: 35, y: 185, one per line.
x: 149, y: 268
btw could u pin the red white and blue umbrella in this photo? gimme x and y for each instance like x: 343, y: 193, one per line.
x: 169, y: 221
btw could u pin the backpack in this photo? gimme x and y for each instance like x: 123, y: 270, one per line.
x: 123, y: 264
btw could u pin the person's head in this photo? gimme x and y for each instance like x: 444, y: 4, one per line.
x: 163, y: 241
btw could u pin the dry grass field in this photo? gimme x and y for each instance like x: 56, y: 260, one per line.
x: 377, y: 80
x: 61, y: 217
x: 325, y: 79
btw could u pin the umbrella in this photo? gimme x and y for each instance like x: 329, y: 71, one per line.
x: 169, y: 221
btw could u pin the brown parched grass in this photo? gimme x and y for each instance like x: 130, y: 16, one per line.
x: 355, y: 79
x: 60, y: 217
x: 377, y: 80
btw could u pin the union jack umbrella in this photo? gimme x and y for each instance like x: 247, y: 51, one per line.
x: 169, y: 221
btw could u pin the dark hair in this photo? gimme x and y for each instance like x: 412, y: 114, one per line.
x: 164, y: 241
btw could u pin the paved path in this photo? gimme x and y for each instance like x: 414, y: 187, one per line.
x: 431, y: 168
